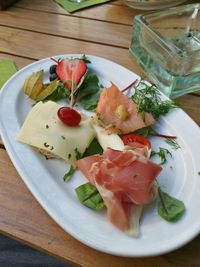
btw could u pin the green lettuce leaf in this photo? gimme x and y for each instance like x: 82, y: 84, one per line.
x: 89, y: 196
x: 169, y: 208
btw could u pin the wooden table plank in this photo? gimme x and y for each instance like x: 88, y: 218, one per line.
x: 1, y: 143
x: 191, y: 105
x: 114, y: 11
x: 43, y: 233
x: 30, y: 44
x: 68, y: 26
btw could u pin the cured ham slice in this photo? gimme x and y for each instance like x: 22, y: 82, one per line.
x: 119, y: 113
x: 116, y: 208
x: 124, y: 179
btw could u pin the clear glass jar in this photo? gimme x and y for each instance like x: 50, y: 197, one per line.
x: 166, y: 44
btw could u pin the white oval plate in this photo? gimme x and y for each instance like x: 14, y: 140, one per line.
x: 44, y: 177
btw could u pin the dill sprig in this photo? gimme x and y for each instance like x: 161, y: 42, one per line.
x: 163, y: 153
x: 148, y: 99
x: 173, y: 143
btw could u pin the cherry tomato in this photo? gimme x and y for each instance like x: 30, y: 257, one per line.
x: 136, y: 138
x: 69, y: 116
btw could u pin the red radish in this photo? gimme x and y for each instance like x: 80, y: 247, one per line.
x: 71, y: 69
x: 69, y: 116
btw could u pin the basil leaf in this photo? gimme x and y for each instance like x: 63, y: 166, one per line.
x: 170, y: 208
x: 89, y: 86
x: 89, y: 196
x: 89, y: 92
x: 90, y: 102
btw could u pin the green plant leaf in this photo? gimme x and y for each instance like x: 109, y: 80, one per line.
x: 94, y: 148
x: 60, y: 93
x: 169, y: 208
x: 69, y: 174
x: 89, y: 196
x: 148, y: 99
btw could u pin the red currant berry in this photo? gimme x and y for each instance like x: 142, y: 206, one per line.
x: 69, y: 116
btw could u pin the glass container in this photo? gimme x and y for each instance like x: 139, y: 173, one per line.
x: 152, y: 4
x: 166, y: 44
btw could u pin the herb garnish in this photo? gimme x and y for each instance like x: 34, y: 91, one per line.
x: 89, y: 92
x: 94, y: 148
x: 60, y: 93
x: 173, y: 143
x: 72, y: 169
x: 148, y: 99
x: 69, y: 174
x: 46, y: 145
x: 162, y: 154
x: 86, y: 93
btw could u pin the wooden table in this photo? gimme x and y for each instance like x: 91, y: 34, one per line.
x: 32, y: 30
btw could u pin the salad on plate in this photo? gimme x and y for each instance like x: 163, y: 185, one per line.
x: 105, y: 133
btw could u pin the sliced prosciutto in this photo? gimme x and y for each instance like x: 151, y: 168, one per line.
x: 125, y: 180
x: 119, y: 113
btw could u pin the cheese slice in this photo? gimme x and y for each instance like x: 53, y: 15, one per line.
x: 44, y: 130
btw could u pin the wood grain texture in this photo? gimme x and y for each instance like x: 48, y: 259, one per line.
x: 191, y: 105
x: 21, y: 217
x: 114, y: 11
x: 6, y: 3
x: 37, y: 46
x: 68, y: 26
x: 1, y: 143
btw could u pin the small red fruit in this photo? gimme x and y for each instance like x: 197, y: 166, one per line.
x: 69, y: 116
x: 68, y: 69
x: 133, y: 139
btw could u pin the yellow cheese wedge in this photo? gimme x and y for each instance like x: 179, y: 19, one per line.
x: 44, y: 130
